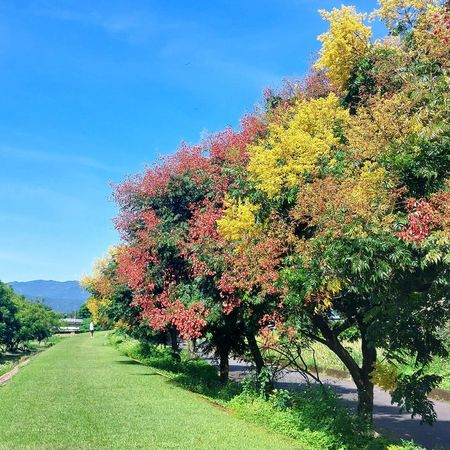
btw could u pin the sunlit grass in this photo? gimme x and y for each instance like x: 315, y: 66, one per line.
x: 82, y: 394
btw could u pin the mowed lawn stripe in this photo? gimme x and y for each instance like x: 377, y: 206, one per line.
x: 82, y: 394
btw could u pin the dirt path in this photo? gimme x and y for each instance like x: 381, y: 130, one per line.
x: 387, y: 417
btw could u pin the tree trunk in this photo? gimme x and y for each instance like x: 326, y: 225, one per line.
x: 174, y: 339
x: 365, y: 391
x: 224, y: 365
x: 191, y: 348
x: 360, y: 375
x: 256, y: 352
x: 365, y: 402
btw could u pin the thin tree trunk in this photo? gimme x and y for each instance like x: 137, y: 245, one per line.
x: 224, y: 365
x: 256, y: 352
x: 191, y: 348
x: 174, y: 339
x: 360, y: 375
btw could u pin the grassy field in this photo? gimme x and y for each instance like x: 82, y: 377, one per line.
x: 82, y: 394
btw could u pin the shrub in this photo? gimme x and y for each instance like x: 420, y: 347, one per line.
x: 313, y: 417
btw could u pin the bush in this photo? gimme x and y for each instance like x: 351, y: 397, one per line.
x: 313, y: 417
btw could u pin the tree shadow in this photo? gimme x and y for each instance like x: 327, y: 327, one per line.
x: 129, y: 362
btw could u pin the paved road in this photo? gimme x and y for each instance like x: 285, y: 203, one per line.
x: 386, y: 416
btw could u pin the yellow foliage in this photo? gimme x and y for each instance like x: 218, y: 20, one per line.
x: 361, y: 199
x: 365, y: 189
x: 333, y: 286
x: 391, y: 11
x: 384, y: 375
x: 384, y: 122
x: 121, y: 323
x: 238, y: 219
x: 98, y: 282
x: 343, y: 45
x: 293, y: 149
x: 95, y: 305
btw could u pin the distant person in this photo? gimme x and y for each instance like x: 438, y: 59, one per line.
x: 91, y: 328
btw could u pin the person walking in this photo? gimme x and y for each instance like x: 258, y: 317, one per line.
x: 91, y: 328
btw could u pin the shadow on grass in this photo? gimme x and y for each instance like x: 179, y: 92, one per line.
x: 145, y: 374
x: 13, y: 357
x: 129, y: 362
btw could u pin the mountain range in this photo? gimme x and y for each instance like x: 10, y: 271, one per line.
x: 61, y: 296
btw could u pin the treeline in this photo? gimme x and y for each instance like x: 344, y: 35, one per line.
x: 22, y: 321
x: 325, y: 218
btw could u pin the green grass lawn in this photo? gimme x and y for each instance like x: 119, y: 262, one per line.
x: 82, y: 394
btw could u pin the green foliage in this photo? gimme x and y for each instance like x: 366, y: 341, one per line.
x: 37, y: 321
x: 9, y: 324
x: 411, y: 394
x: 83, y: 312
x: 6, y: 367
x: 84, y: 326
x: 22, y: 321
x: 313, y: 417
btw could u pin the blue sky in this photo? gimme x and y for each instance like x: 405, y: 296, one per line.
x: 93, y: 90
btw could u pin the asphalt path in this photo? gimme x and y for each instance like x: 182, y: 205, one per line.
x: 387, y: 418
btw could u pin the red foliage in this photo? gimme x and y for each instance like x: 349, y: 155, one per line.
x: 132, y: 266
x: 441, y: 26
x: 255, y: 269
x: 161, y: 311
x: 316, y: 85
x: 420, y: 219
x: 230, y: 146
x: 201, y: 245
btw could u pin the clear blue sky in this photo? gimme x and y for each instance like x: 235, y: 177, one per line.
x: 93, y: 90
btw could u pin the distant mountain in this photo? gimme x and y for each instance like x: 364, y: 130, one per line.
x: 62, y: 296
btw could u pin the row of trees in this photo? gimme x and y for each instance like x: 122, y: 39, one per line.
x: 325, y: 218
x: 22, y: 321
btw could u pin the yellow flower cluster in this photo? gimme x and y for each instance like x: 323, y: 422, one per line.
x: 238, y: 219
x: 293, y: 149
x: 343, y: 45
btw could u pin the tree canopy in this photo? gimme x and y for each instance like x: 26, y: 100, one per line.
x: 326, y: 215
